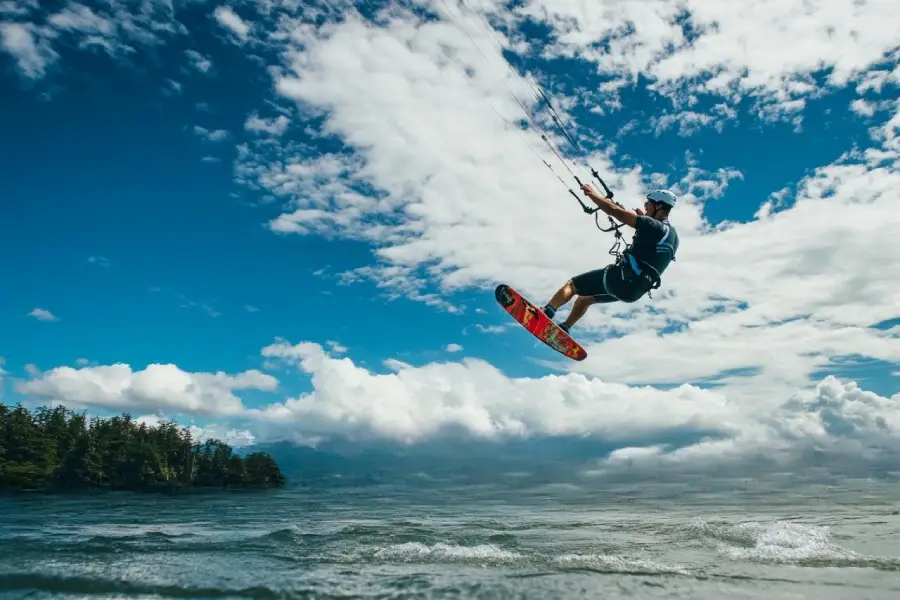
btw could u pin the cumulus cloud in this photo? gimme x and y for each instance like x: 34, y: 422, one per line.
x: 677, y: 431
x: 836, y: 427
x: 162, y: 387
x: 411, y: 404
x: 669, y: 432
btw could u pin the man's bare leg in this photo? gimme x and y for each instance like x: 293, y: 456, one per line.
x: 578, y: 309
x: 562, y: 296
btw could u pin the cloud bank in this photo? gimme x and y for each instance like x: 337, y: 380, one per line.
x: 684, y: 429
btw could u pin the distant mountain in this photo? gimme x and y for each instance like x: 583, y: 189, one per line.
x: 471, y: 461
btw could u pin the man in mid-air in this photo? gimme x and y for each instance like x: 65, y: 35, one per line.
x: 653, y: 247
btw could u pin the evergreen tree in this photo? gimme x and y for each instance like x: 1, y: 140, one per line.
x: 55, y: 449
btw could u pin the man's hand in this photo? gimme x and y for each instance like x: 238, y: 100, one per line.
x: 591, y: 193
x: 628, y: 217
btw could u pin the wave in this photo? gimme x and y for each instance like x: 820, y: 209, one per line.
x: 785, y: 542
x: 442, y: 552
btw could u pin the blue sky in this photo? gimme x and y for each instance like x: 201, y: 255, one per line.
x: 315, y: 198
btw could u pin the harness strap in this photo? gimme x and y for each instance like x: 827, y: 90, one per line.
x: 648, y: 273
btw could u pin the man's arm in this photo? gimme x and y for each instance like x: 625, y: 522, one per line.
x: 628, y: 217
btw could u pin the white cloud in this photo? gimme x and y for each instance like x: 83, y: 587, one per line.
x: 232, y: 21
x: 336, y: 347
x: 729, y: 52
x: 17, y: 8
x: 472, y: 398
x: 236, y: 438
x: 216, y: 135
x: 671, y: 432
x: 276, y: 126
x: 198, y: 61
x: 847, y: 429
x: 42, y: 315
x: 30, y: 46
x: 688, y: 122
x: 162, y: 387
x: 453, y: 348
x: 119, y: 28
x: 96, y: 29
x: 668, y: 432
x: 862, y: 107
x: 416, y: 403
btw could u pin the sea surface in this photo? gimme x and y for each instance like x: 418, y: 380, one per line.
x: 489, y: 541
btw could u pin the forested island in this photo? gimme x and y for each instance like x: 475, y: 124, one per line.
x: 59, y: 450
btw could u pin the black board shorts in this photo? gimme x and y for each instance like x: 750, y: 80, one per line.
x: 612, y: 283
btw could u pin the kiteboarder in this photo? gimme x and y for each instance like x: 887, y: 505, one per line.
x: 639, y: 268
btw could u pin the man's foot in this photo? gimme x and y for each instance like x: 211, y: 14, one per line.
x: 548, y: 310
x: 564, y: 327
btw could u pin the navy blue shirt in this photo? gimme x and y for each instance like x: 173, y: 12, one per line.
x: 655, y: 243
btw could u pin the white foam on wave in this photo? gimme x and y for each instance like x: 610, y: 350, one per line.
x: 618, y: 564
x: 778, y: 541
x: 442, y: 551
x: 490, y: 553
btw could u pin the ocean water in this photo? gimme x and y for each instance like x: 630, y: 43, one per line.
x: 391, y: 541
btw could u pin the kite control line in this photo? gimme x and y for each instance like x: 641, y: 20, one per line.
x: 541, y: 98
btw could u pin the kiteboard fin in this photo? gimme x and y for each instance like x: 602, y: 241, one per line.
x: 536, y: 322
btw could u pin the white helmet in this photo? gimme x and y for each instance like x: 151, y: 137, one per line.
x: 663, y: 196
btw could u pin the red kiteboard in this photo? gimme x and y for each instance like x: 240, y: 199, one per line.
x: 537, y: 323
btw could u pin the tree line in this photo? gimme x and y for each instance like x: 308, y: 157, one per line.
x: 56, y: 449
